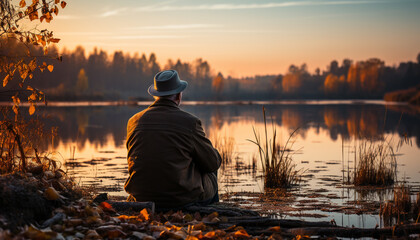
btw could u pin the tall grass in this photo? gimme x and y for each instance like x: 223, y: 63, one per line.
x: 226, y: 147
x: 401, y: 208
x: 376, y: 165
x: 276, y: 160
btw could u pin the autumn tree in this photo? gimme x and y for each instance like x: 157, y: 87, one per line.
x: 292, y: 81
x: 19, y: 25
x: 364, y: 77
x: 333, y: 84
x: 218, y: 83
x: 82, y: 83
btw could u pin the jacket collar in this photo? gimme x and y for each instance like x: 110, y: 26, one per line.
x: 164, y: 102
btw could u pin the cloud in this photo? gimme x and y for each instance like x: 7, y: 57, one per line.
x: 113, y: 12
x: 66, y: 17
x: 156, y: 8
x: 178, y: 27
x: 86, y: 33
x: 120, y: 36
x: 134, y: 37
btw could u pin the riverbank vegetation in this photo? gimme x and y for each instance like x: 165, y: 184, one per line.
x: 402, y: 207
x: 411, y: 96
x: 100, y: 75
x: 276, y: 160
x: 376, y: 164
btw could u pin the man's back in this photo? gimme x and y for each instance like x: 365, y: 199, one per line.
x: 168, y: 154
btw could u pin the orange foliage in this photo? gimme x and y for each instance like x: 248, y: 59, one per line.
x: 241, y: 234
x: 352, y: 77
x: 291, y: 82
x: 13, y: 31
x: 106, y: 207
x: 364, y: 76
x: 331, y: 83
x: 144, y: 214
x: 217, y: 83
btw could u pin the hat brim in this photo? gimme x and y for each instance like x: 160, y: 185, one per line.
x: 155, y: 93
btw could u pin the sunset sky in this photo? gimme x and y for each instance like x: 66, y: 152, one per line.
x: 246, y: 37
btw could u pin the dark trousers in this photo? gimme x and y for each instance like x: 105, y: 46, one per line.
x: 211, y: 191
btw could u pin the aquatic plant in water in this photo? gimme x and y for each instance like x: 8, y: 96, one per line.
x: 400, y: 208
x: 226, y: 147
x: 276, y: 160
x: 376, y: 165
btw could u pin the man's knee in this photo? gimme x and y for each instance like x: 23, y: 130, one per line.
x: 210, y: 185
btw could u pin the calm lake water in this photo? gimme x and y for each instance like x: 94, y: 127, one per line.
x: 91, y: 147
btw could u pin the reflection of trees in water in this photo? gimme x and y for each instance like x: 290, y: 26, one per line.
x: 79, y: 124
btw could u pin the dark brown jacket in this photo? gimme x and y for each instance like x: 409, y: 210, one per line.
x: 168, y: 153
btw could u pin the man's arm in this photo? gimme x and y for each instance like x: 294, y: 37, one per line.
x: 204, y: 154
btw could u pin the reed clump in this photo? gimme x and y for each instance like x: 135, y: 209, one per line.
x: 400, y: 208
x: 416, y: 210
x: 376, y: 165
x: 276, y: 160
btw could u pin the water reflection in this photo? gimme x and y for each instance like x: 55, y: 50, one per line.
x: 346, y: 120
x: 91, y: 143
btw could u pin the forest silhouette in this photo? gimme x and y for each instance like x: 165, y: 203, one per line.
x: 121, y: 76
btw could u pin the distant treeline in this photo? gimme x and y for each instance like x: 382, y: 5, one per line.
x: 100, y: 76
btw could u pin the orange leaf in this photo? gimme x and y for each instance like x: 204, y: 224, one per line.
x: 49, y: 193
x: 144, y: 214
x: 33, y: 97
x: 275, y: 229
x: 22, y: 3
x: 106, y: 207
x: 54, y: 40
x: 50, y: 68
x: 211, y: 234
x: 33, y: 15
x: 6, y: 80
x: 32, y: 65
x: 15, y: 109
x: 63, y: 4
x: 241, y: 234
x: 31, y: 109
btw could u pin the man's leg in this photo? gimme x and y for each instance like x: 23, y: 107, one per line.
x: 211, y: 189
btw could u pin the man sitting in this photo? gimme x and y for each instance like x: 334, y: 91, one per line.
x: 170, y: 160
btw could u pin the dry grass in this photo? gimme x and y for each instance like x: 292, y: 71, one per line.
x: 226, y: 147
x: 19, y: 141
x: 376, y: 165
x: 400, y: 208
x: 276, y: 160
x: 416, y: 209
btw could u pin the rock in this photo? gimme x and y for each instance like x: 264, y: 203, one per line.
x: 57, y: 218
x: 74, y: 222
x: 57, y: 227
x: 139, y: 235
x: 92, y: 234
x: 114, y: 233
x: 79, y: 235
x: 59, y: 237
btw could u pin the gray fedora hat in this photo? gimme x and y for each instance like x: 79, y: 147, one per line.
x: 167, y: 83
